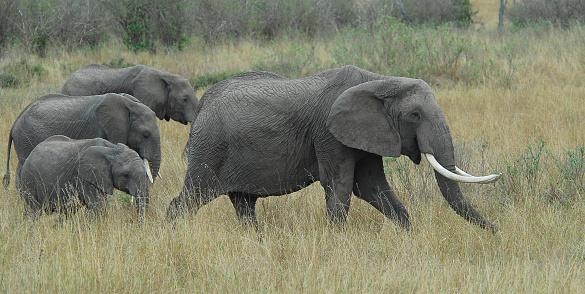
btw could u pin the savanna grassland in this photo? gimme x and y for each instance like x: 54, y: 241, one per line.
x: 515, y: 103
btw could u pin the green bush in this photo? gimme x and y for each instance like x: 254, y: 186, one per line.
x: 438, y: 12
x: 145, y: 24
x: 559, y: 12
x: 430, y: 53
x: 135, y: 25
x: 6, y: 20
x: 220, y: 19
x: 292, y: 61
x: 8, y: 81
x: 207, y: 79
x: 20, y: 73
x: 118, y: 63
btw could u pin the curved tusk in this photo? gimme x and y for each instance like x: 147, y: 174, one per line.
x: 458, y: 177
x: 158, y: 175
x: 148, y: 173
x: 462, y: 172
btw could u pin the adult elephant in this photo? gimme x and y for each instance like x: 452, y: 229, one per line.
x: 261, y: 134
x: 116, y: 118
x: 60, y: 174
x: 169, y: 95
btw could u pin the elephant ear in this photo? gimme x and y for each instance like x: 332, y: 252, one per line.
x: 153, y: 91
x: 113, y: 116
x: 358, y: 118
x: 169, y: 81
x: 95, y: 169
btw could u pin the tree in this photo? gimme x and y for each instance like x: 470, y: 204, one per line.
x: 501, y: 15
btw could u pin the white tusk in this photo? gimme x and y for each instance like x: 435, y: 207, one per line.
x: 158, y: 175
x: 131, y: 199
x: 461, y: 172
x: 459, y: 178
x: 148, y: 173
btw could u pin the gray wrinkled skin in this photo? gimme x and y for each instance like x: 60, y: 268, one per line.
x: 260, y: 134
x: 169, y: 95
x: 116, y: 118
x: 61, y: 174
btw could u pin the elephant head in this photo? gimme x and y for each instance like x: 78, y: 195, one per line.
x: 400, y: 116
x: 170, y: 96
x: 116, y: 166
x: 125, y: 120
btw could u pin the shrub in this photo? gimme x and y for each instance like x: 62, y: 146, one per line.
x: 8, y: 81
x: 118, y: 63
x: 144, y: 22
x: 437, y: 12
x: 19, y: 73
x: 559, y: 12
x: 80, y: 23
x: 67, y: 22
x: 429, y: 53
x: 291, y: 61
x: 207, y: 79
x: 6, y: 21
x: 219, y: 19
x: 429, y: 12
x: 135, y: 24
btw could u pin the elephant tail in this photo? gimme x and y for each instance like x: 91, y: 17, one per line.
x: 6, y: 179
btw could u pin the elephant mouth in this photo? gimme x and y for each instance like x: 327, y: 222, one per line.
x: 152, y: 166
x: 413, y: 152
x: 415, y: 157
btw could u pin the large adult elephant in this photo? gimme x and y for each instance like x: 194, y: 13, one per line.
x: 116, y: 118
x: 169, y: 95
x: 260, y: 134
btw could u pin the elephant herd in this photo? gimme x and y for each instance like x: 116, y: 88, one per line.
x: 257, y: 134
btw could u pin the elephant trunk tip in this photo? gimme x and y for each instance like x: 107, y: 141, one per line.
x: 6, y: 181
x: 493, y: 228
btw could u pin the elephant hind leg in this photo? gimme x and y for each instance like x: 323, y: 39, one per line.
x: 245, y: 205
x: 371, y: 186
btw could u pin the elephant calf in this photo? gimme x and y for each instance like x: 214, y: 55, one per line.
x: 169, y: 95
x: 61, y: 173
x: 116, y: 118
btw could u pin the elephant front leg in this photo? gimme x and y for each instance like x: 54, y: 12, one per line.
x: 337, y: 182
x: 31, y: 213
x: 371, y: 186
x: 245, y: 205
x: 188, y: 202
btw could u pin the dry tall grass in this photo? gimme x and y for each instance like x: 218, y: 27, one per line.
x: 538, y: 205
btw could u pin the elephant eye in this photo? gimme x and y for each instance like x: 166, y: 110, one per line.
x: 415, y: 116
x: 146, y: 134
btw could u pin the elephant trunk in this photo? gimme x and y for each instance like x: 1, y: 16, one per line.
x: 142, y: 196
x: 155, y: 166
x: 141, y: 204
x: 442, y: 149
x: 154, y: 157
x: 452, y: 193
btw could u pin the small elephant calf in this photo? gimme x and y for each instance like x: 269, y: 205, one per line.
x: 60, y: 174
